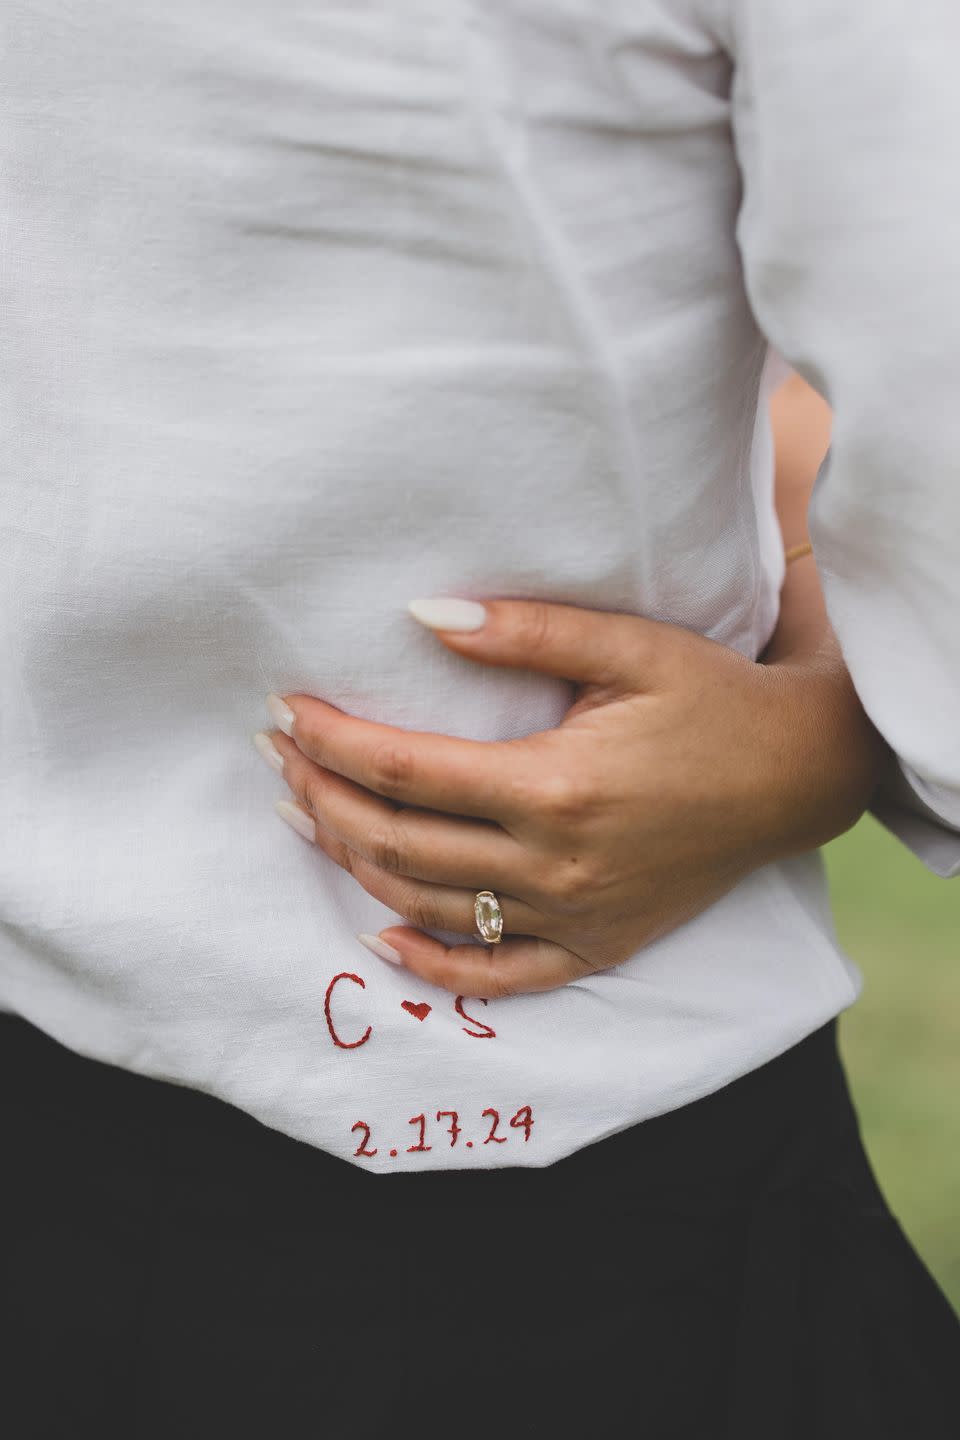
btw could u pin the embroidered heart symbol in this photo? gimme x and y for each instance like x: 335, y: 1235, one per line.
x: 420, y: 1012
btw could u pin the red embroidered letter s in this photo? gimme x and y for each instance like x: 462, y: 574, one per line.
x: 483, y: 1031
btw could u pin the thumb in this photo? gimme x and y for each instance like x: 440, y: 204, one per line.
x: 601, y: 647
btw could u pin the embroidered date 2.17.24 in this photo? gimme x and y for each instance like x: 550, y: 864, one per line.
x: 489, y: 1131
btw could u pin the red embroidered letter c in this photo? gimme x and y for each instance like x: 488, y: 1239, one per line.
x: 344, y: 1044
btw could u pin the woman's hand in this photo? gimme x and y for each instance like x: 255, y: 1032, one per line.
x: 680, y: 767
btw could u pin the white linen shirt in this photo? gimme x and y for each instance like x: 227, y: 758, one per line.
x: 309, y: 309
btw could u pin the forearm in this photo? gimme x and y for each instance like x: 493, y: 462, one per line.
x: 833, y: 750
x: 801, y: 429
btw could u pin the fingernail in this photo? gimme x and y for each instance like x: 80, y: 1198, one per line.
x: 381, y: 948
x: 298, y: 818
x: 268, y: 750
x: 448, y: 612
x: 281, y: 713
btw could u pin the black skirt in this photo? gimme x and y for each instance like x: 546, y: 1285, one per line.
x: 172, y: 1268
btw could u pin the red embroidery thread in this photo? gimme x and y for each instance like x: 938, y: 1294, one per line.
x: 419, y: 1012
x: 522, y: 1120
x: 455, y: 1129
x: 525, y: 1125
x: 344, y: 1044
x: 485, y: 1032
x: 420, y: 1120
x: 362, y: 1147
x: 497, y: 1139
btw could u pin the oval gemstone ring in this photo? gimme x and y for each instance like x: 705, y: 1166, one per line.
x: 489, y: 917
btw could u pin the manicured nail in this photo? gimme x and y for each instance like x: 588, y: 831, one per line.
x: 281, y: 713
x: 299, y: 819
x: 381, y: 948
x: 448, y: 612
x: 268, y: 750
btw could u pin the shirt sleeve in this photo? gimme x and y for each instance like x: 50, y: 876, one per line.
x: 845, y: 121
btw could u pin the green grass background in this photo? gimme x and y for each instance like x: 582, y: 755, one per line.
x: 901, y: 1040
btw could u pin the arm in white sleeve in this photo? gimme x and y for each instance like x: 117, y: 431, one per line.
x: 846, y: 121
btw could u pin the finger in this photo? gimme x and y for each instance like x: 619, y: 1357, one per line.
x: 611, y: 649
x: 432, y: 907
x: 466, y: 777
x: 519, y: 966
x: 420, y: 844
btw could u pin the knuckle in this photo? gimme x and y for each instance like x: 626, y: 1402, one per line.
x: 533, y: 626
x: 307, y: 739
x: 355, y: 865
x: 422, y: 910
x: 310, y: 794
x: 392, y: 768
x: 562, y: 797
x: 347, y: 859
x: 384, y: 849
x: 499, y: 987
